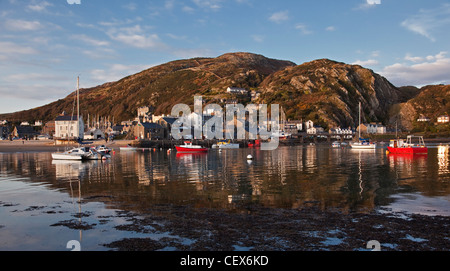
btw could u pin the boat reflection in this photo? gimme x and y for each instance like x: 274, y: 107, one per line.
x: 188, y: 157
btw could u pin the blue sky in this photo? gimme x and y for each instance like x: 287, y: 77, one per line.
x: 46, y: 44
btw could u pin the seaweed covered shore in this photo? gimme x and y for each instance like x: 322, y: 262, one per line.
x: 184, y: 228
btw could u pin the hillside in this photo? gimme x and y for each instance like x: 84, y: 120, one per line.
x: 325, y: 91
x: 431, y: 101
x: 163, y: 86
x: 328, y: 92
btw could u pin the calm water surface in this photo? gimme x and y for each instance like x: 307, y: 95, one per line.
x: 39, y: 196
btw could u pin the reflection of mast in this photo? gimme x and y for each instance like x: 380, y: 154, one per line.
x: 79, y: 202
x: 360, y: 175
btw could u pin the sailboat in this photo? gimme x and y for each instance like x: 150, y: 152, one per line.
x: 363, y: 144
x: 80, y: 153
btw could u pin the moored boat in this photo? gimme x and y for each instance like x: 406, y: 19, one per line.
x: 335, y: 144
x: 81, y: 153
x: 128, y: 148
x: 226, y: 144
x: 408, y: 146
x: 363, y: 144
x: 189, y: 147
x: 103, y: 149
x: 256, y: 143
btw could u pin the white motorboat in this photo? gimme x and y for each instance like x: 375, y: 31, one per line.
x: 73, y: 154
x: 336, y: 144
x: 103, y: 149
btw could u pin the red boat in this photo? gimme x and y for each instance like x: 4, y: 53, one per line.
x: 256, y: 143
x: 188, y: 147
x: 408, y: 147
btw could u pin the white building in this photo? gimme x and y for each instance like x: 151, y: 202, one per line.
x: 375, y: 128
x: 315, y: 130
x: 237, y: 90
x: 309, y: 124
x: 422, y: 118
x: 68, y: 127
x: 93, y: 134
x: 443, y: 119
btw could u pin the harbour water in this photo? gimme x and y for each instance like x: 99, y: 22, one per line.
x: 44, y: 203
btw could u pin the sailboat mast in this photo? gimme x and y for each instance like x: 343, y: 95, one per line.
x: 78, y: 105
x: 359, y: 113
x: 78, y: 98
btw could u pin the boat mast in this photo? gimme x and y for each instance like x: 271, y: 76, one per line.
x: 78, y: 106
x: 359, y: 127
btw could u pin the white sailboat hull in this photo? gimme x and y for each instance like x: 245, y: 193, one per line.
x: 64, y: 156
x: 360, y: 146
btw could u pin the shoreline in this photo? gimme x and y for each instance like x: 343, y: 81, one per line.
x: 7, y: 146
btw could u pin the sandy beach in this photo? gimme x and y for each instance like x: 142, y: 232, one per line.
x: 49, y: 145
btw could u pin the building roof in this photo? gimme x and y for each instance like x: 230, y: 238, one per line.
x: 169, y: 120
x: 150, y: 125
x: 67, y: 118
x: 25, y: 130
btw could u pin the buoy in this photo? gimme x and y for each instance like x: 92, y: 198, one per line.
x: 249, y: 157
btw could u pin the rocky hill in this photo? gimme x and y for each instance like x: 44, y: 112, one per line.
x: 430, y: 101
x: 329, y: 92
x: 163, y: 86
x: 325, y: 91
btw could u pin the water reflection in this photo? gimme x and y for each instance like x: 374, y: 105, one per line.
x: 443, y: 152
x: 289, y: 177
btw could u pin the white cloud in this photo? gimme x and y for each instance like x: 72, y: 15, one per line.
x: 258, y: 38
x: 214, y: 5
x: 368, y: 4
x: 432, y: 69
x: 136, y: 37
x: 428, y: 22
x: 130, y: 6
x: 90, y: 40
x: 373, y: 2
x: 303, y: 29
x: 330, y: 28
x: 188, y: 9
x: 279, y: 17
x: 39, y: 7
x: 115, y: 72
x: 23, y: 25
x: 363, y: 63
x: 10, y: 48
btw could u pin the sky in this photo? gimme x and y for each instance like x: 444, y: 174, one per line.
x: 46, y: 44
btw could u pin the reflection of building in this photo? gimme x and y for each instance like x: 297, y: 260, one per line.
x: 66, y: 170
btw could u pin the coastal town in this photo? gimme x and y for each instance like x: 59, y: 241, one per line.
x: 150, y: 127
